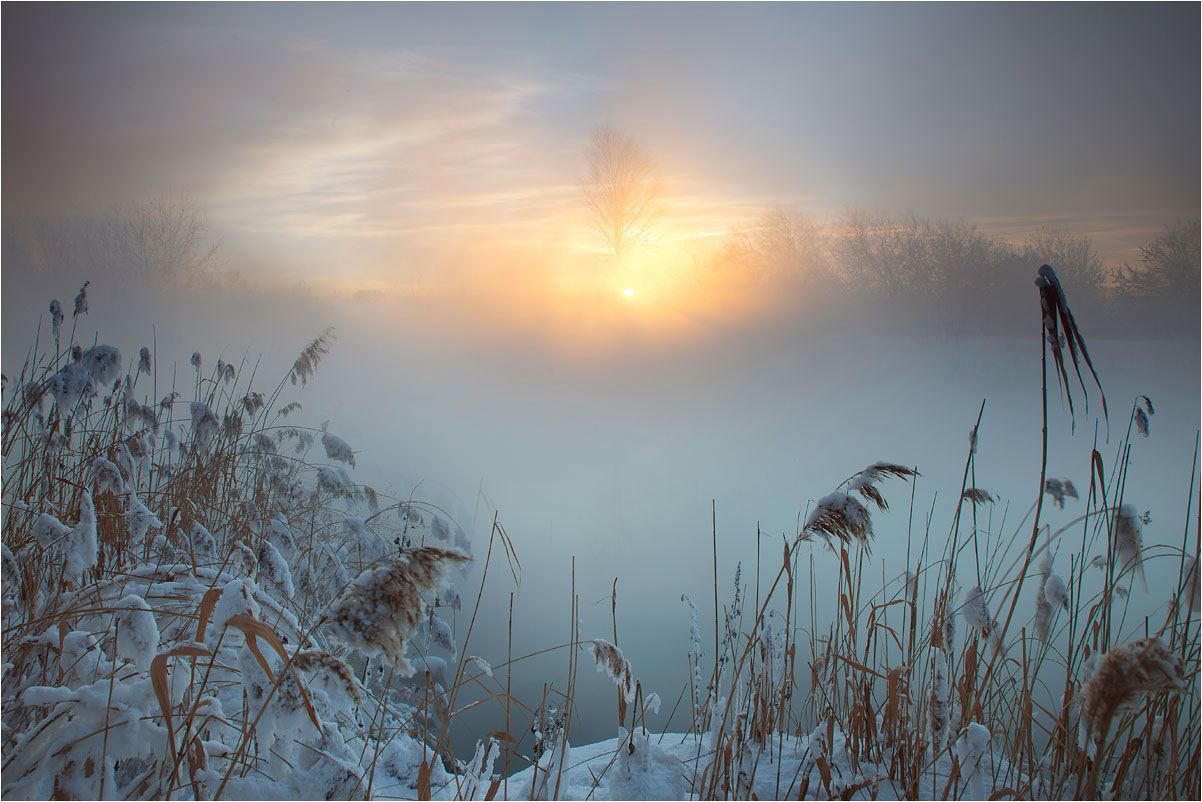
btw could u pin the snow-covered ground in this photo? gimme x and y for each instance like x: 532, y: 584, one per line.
x: 669, y: 765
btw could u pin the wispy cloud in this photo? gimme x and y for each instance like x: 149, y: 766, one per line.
x: 309, y: 137
x: 1118, y: 236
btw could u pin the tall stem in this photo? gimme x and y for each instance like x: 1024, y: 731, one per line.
x: 1043, y: 470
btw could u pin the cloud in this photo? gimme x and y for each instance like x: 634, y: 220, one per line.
x: 290, y: 137
x: 1117, y: 235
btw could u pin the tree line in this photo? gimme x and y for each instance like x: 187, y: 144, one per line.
x: 946, y: 270
x: 960, y: 274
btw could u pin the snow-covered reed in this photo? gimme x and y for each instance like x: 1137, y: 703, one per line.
x: 165, y: 568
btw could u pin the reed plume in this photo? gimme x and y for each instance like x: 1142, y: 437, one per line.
x: 307, y: 362
x: 380, y: 610
x: 841, y: 516
x: 1128, y: 541
x: 610, y: 660
x: 1142, y: 413
x: 1057, y: 317
x: 940, y: 693
x: 977, y: 496
x: 1043, y: 609
x: 1123, y: 674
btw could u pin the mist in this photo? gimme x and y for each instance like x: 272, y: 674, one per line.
x: 622, y: 453
x: 641, y: 422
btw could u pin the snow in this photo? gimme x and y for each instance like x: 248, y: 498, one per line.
x: 1056, y: 592
x: 106, y: 477
x: 204, y: 424
x: 273, y: 565
x: 81, y: 300
x: 478, y: 774
x: 56, y: 318
x: 841, y: 502
x: 940, y: 693
x: 281, y: 532
x: 47, y: 530
x: 976, y: 611
x: 436, y: 667
x: 337, y: 449
x: 333, y: 480
x: 81, y: 545
x: 482, y: 664
x: 665, y: 766
x: 1129, y: 541
x: 646, y: 770
x: 11, y: 578
x: 137, y: 632
x: 141, y: 520
x: 103, y: 363
x: 439, y: 633
x: 69, y: 386
x: 237, y: 597
x: 972, y: 747
x: 203, y: 541
x: 1060, y: 490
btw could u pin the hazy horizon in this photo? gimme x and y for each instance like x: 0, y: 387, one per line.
x: 393, y: 148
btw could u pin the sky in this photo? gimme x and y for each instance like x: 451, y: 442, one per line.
x: 412, y: 148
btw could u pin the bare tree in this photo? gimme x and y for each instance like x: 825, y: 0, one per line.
x: 883, y: 255
x: 161, y: 239
x: 782, y: 244
x: 1168, y: 266
x: 621, y: 190
x: 1076, y: 262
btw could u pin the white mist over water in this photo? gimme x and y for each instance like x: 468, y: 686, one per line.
x: 613, y: 461
x: 612, y: 456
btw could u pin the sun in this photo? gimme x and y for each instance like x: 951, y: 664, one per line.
x: 628, y: 292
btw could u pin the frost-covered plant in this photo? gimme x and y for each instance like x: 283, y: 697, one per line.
x: 611, y: 661
x: 337, y: 449
x: 204, y: 425
x: 1060, y: 489
x: 1142, y: 412
x: 940, y: 694
x: 977, y: 496
x: 81, y: 300
x: 696, y: 653
x: 56, y: 319
x: 381, y: 609
x: 1043, y: 606
x: 841, y: 516
x: 1122, y: 676
x: 972, y: 747
x: 161, y: 589
x: 1128, y: 541
x: 976, y: 611
x: 309, y: 358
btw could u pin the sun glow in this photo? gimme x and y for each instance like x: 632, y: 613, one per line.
x: 628, y: 292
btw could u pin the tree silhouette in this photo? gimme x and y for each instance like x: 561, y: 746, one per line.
x: 1168, y: 266
x: 621, y: 191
